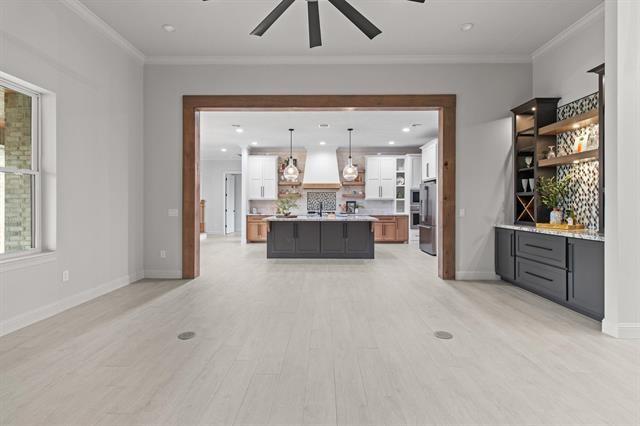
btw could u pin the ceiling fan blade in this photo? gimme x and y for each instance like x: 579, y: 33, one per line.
x: 315, y: 37
x: 418, y: 1
x: 357, y: 18
x: 272, y: 17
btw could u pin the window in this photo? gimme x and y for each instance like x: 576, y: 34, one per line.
x: 19, y: 170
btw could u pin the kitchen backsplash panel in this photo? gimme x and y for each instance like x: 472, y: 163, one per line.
x: 328, y: 200
x: 583, y: 191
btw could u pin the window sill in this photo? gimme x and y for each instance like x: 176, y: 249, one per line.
x: 27, y: 261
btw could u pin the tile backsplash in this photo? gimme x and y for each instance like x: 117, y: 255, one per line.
x: 583, y: 192
x: 328, y: 200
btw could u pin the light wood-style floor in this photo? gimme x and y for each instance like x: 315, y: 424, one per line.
x: 289, y: 342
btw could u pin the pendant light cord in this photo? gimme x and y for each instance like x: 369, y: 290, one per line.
x: 350, y: 130
x: 290, y: 145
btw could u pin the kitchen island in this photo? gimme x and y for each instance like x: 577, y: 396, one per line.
x: 321, y: 237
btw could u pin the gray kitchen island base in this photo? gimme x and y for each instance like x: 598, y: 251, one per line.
x: 320, y: 239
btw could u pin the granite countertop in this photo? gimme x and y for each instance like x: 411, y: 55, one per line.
x: 338, y: 218
x: 585, y: 234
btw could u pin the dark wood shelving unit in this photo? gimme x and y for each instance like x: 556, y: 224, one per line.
x: 570, y: 124
x: 579, y: 157
x: 528, y: 119
x: 536, y: 128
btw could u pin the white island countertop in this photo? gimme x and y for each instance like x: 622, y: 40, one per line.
x: 337, y: 218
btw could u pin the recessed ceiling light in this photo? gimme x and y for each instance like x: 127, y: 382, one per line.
x: 223, y: 149
x: 254, y: 143
x: 379, y: 153
x: 168, y: 28
x: 323, y: 143
x: 392, y: 142
x: 323, y: 126
x: 406, y: 129
x: 239, y: 129
x: 467, y: 27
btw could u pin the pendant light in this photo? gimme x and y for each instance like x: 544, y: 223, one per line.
x: 350, y: 172
x: 291, y: 172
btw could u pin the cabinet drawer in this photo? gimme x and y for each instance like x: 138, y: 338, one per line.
x: 543, y: 248
x: 386, y: 218
x: 545, y: 280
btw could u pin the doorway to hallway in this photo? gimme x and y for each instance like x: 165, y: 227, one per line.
x: 232, y: 202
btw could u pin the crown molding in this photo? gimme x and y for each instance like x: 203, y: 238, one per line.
x: 338, y: 60
x: 586, y: 20
x: 91, y: 18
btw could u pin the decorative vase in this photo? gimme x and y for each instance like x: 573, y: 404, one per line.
x: 525, y: 182
x: 552, y: 152
x: 555, y: 217
x: 528, y: 161
x: 532, y: 184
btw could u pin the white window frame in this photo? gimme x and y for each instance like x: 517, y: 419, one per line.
x: 34, y: 172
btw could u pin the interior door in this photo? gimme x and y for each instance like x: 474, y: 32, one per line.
x: 230, y: 204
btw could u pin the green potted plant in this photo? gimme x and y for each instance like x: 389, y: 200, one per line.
x: 284, y: 206
x: 552, y: 191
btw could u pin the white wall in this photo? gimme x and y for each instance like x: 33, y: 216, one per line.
x: 486, y: 93
x: 98, y: 102
x: 560, y: 67
x: 622, y: 223
x: 212, y: 186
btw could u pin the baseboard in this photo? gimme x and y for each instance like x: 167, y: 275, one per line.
x: 476, y: 276
x: 23, y: 320
x: 621, y: 330
x: 163, y: 274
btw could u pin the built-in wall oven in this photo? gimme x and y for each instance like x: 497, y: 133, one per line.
x: 414, y: 209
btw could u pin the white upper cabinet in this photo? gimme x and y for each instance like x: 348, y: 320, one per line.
x: 415, y: 171
x: 380, y: 181
x: 263, y: 177
x: 430, y: 160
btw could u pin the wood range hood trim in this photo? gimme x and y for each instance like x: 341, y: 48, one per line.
x: 321, y: 186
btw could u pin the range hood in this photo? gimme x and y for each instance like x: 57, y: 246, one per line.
x: 321, y: 169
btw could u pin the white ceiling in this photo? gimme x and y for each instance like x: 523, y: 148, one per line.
x: 372, y: 129
x: 220, y: 28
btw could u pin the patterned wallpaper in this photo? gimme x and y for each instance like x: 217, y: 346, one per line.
x: 583, y: 193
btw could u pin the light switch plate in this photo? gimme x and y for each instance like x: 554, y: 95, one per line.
x: 65, y: 276
x: 173, y: 212
x: 463, y: 212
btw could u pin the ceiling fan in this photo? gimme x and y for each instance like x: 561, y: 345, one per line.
x: 315, y: 38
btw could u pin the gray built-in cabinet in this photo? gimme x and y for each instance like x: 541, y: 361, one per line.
x: 568, y: 271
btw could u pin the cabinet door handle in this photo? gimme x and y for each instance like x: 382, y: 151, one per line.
x: 571, y: 257
x: 538, y: 276
x: 295, y: 230
x: 538, y: 247
x: 427, y: 169
x: 345, y: 231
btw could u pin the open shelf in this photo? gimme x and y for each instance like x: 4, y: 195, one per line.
x: 354, y: 196
x: 352, y: 183
x: 526, y: 169
x: 526, y: 132
x: 524, y: 194
x: 289, y: 183
x: 579, y: 157
x: 570, y: 124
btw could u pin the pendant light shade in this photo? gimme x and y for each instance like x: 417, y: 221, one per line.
x: 350, y: 172
x: 291, y: 172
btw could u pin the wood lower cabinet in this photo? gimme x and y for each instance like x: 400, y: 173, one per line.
x: 391, y: 229
x: 256, y: 229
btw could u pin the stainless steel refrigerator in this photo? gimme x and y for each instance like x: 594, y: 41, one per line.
x: 428, y: 217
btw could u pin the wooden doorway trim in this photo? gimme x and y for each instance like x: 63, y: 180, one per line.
x: 193, y: 105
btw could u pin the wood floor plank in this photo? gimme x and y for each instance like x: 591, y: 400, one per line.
x: 317, y: 342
